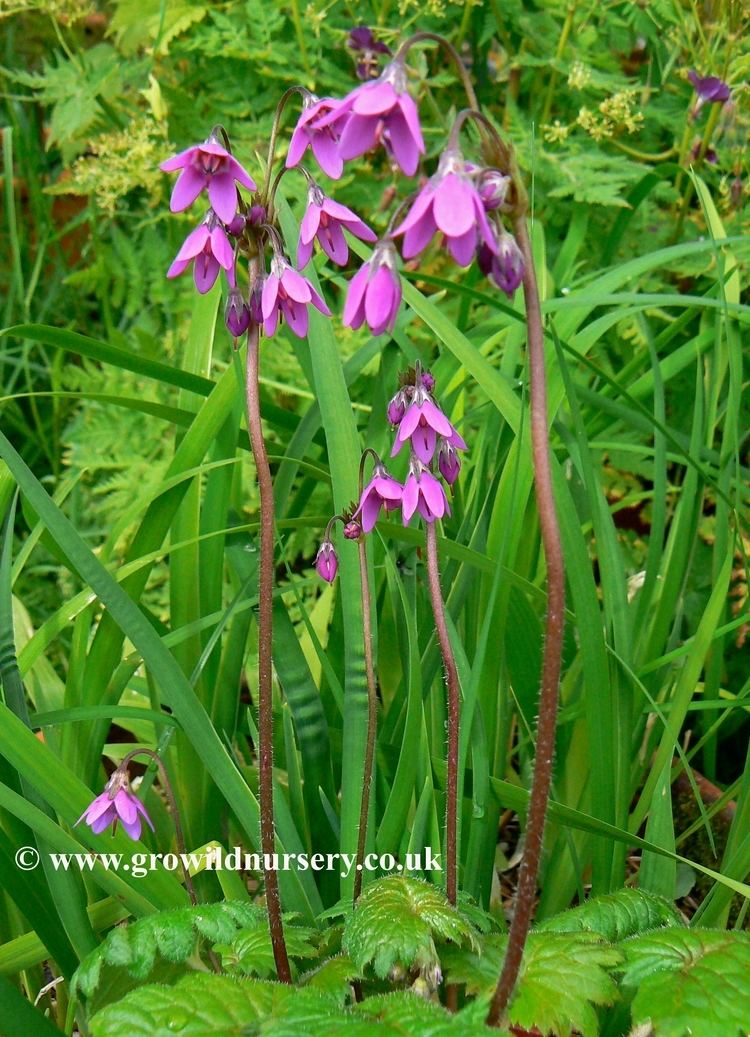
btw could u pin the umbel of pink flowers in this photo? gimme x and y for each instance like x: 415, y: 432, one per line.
x: 461, y: 203
x: 433, y: 445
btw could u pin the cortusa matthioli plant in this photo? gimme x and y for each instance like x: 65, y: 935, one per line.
x: 395, y: 954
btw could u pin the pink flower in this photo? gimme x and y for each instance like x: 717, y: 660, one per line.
x: 207, y: 165
x: 326, y: 220
x: 327, y: 562
x: 116, y: 803
x: 423, y: 493
x: 505, y: 265
x: 381, y: 110
x: 375, y: 291
x: 323, y: 140
x: 286, y: 291
x: 207, y: 245
x: 422, y: 423
x: 381, y: 490
x: 449, y: 202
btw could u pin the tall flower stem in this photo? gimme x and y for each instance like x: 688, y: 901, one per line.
x: 548, y: 698
x: 166, y: 784
x: 265, y: 702
x: 372, y: 718
x: 454, y: 709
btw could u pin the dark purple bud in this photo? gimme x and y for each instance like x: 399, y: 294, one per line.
x: 397, y: 407
x: 709, y: 88
x: 237, y: 225
x: 257, y: 215
x: 493, y: 188
x: 352, y: 530
x: 362, y: 38
x: 236, y: 313
x: 428, y: 380
x: 326, y: 562
x: 449, y: 462
x: 256, y: 302
x: 506, y: 267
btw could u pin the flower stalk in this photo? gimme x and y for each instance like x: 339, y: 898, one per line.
x: 265, y: 630
x: 372, y: 718
x: 454, y: 709
x: 549, y: 694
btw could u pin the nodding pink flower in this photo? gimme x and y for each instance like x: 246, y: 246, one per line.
x: 327, y: 562
x: 208, y: 246
x: 493, y: 188
x: 323, y: 139
x: 285, y: 290
x: 449, y: 463
x: 423, y: 493
x: 381, y: 490
x: 375, y: 291
x: 326, y: 220
x: 380, y: 111
x: 506, y: 266
x: 422, y: 423
x: 448, y: 202
x: 207, y: 165
x: 368, y: 47
x: 116, y: 803
x: 709, y: 88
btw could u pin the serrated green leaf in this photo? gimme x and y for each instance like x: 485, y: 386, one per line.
x: 615, y: 916
x: 689, y: 981
x: 562, y: 977
x: 250, y: 951
x: 396, y: 922
x: 333, y: 977
x: 405, y: 1013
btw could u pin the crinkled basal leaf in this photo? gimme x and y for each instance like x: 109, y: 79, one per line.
x: 615, y: 916
x: 250, y: 951
x: 562, y: 977
x: 396, y: 923
x: 173, y: 935
x: 690, y: 981
x: 333, y: 977
x: 201, y: 1004
x: 404, y: 1013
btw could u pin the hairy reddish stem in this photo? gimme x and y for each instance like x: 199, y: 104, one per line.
x: 548, y: 698
x: 372, y: 719
x: 265, y: 702
x: 454, y: 710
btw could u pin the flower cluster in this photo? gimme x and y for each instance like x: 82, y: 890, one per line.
x: 433, y: 453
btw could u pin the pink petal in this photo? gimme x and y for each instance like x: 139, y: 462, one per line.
x: 379, y: 298
x: 423, y: 441
x: 370, y: 511
x: 454, y: 206
x: 269, y: 324
x: 422, y: 203
x: 435, y: 417
x: 188, y: 186
x: 221, y: 248
x: 240, y: 173
x: 144, y: 813
x: 326, y: 151
x: 193, y: 243
x: 98, y: 826
x: 374, y: 99
x: 409, y: 498
x: 179, y: 266
x: 178, y: 161
x: 353, y: 307
x: 463, y: 248
x: 297, y: 145
x: 304, y: 251
x: 409, y: 421
x: 223, y: 196
x: 433, y: 494
x: 100, y: 806
x: 333, y: 243
x: 417, y: 238
x: 319, y: 302
x: 404, y: 147
x: 125, y: 807
x: 270, y: 293
x: 295, y: 285
x: 455, y: 440
x: 410, y: 113
x: 310, y: 222
x: 296, y: 316
x: 205, y: 272
x: 358, y: 136
x: 133, y: 828
x: 389, y: 489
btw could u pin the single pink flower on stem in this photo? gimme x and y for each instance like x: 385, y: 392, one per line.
x: 380, y: 111
x: 375, y: 291
x: 322, y: 140
x: 209, y: 248
x: 381, y: 490
x: 449, y: 202
x: 286, y: 291
x: 422, y: 423
x: 327, y: 562
x: 326, y: 220
x: 207, y: 166
x: 116, y: 803
x: 423, y: 493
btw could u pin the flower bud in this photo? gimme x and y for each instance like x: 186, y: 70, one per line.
x: 428, y: 380
x: 236, y: 313
x: 326, y: 562
x: 237, y: 225
x: 352, y: 530
x: 493, y: 188
x: 257, y: 215
x: 449, y: 462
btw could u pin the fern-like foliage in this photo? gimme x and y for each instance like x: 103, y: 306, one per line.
x: 689, y: 981
x: 396, y: 924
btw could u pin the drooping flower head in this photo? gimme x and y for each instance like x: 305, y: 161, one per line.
x: 381, y: 491
x: 207, y: 166
x: 208, y: 247
x: 326, y: 220
x: 326, y: 562
x: 449, y: 202
x: 506, y: 266
x: 709, y: 88
x: 375, y: 291
x: 286, y: 291
x: 421, y: 425
x: 423, y: 493
x: 117, y: 803
x: 322, y: 139
x: 362, y: 41
x: 380, y: 111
